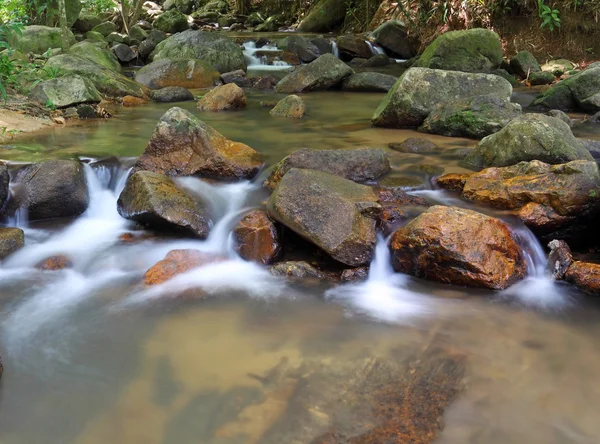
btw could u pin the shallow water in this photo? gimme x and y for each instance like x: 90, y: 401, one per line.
x: 91, y: 357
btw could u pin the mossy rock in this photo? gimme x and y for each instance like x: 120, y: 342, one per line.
x: 94, y: 36
x: 171, y: 22
x: 65, y: 91
x: 105, y: 28
x: 580, y: 91
x: 136, y: 32
x: 191, y: 73
x: 325, y: 16
x: 97, y: 53
x: 524, y: 64
x: 541, y: 78
x: 38, y: 39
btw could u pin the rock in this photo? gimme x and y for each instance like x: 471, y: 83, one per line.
x: 392, y: 37
x: 453, y: 181
x: 416, y: 145
x: 55, y: 263
x: 108, y: 82
x: 419, y: 90
x: 51, y: 189
x: 123, y: 53
x: 325, y: 16
x: 584, y: 275
x: 541, y: 78
x: 358, y: 165
x: 105, y: 28
x: 529, y: 137
x: 11, y: 240
x: 559, y: 259
x: 154, y: 38
x: 86, y: 22
x: 400, y: 198
x: 171, y: 22
x: 290, y: 106
x: 177, y: 262
x: 524, y: 64
x: 257, y: 238
x: 220, y: 52
x: 558, y: 67
x: 475, y: 117
x: 171, y: 94
x: 548, y: 198
x: 369, y: 82
x: 580, y: 91
x: 4, y: 183
x: 324, y: 73
x: 355, y: 274
x: 39, y: 39
x: 66, y: 91
x: 97, y: 53
x: 331, y: 212
x: 223, y: 98
x: 191, y: 73
x: 115, y: 37
x: 351, y: 46
x: 297, y: 270
x: 153, y: 199
x: 378, y: 60
x: 254, y: 18
x: 133, y: 101
x: 303, y: 47
x: 185, y: 6
x: 505, y: 75
x: 460, y: 247
x: 323, y: 45
x: 183, y: 145
x: 558, y: 114
x: 95, y: 37
x: 471, y: 50
x: 138, y: 33
x: 238, y: 78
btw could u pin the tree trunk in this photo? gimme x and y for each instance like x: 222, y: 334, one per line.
x: 62, y: 16
x: 130, y: 12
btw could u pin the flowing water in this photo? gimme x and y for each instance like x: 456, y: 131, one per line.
x: 93, y: 357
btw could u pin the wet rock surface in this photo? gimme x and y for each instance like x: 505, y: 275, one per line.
x: 154, y: 200
x: 177, y: 262
x: 415, y: 145
x: 291, y: 107
x: 584, y: 275
x: 559, y: 259
x: 55, y: 263
x: 460, y: 247
x: 183, y: 145
x: 258, y: 238
x: 4, y: 183
x: 223, y: 98
x: 171, y: 94
x: 325, y: 72
x: 11, y: 240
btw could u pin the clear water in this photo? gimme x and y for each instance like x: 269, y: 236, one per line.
x: 92, y: 357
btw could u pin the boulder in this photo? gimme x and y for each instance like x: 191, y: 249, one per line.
x: 171, y: 94
x: 541, y: 78
x: 39, y: 39
x: 323, y: 44
x: 351, y: 46
x: 271, y: 24
x: 378, y: 60
x: 358, y: 165
x: 415, y: 145
x: 115, y: 37
x: 97, y: 53
x: 303, y: 47
x: 123, y: 53
x: 11, y: 240
x: 336, y: 214
x: 66, y: 91
x: 257, y: 238
x: 475, y: 117
x: 559, y: 259
x: 584, y: 275
x: 86, y: 22
x: 369, y: 82
x: 105, y: 28
x: 290, y: 106
x: 223, y: 98
x: 558, y: 67
x: 185, y: 6
x: 154, y: 38
x: 94, y: 37
x: 419, y: 90
x: 171, y: 22
x: 177, y: 262
x: 219, y: 51
x: 154, y: 200
x: 52, y: 189
x: 529, y: 137
x: 458, y: 246
x: 138, y: 33
x: 191, y: 73
x: 325, y: 16
x: 580, y: 91
x: 561, y: 115
x: 325, y: 72
x: 392, y: 37
x: 4, y: 183
x: 183, y: 145
x: 108, y: 82
x: 471, y: 50
x: 524, y: 64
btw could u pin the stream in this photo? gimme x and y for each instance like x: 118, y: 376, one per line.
x: 92, y: 357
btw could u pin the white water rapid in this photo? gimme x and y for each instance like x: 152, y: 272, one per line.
x: 256, y: 63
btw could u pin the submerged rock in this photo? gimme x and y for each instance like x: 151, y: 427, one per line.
x: 257, y: 238
x: 11, y: 240
x: 51, y: 189
x: 415, y: 145
x: 475, y: 118
x: 290, y: 106
x: 183, y: 145
x: 529, y: 137
x: 55, y: 263
x: 471, y: 50
x: 369, y: 82
x: 65, y: 91
x: 191, y: 73
x: 177, y: 262
x: 39, y: 39
x: 171, y: 94
x: 154, y: 200
x: 358, y: 165
x: 324, y: 73
x: 419, y: 90
x: 333, y: 213
x: 223, y: 98
x: 460, y: 247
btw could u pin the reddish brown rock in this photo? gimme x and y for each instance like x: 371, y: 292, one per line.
x: 291, y: 58
x: 55, y: 263
x: 452, y: 181
x: 541, y: 217
x: 183, y: 145
x: 133, y: 101
x: 390, y: 219
x: 222, y: 98
x: 257, y: 238
x: 400, y: 197
x: 585, y: 275
x: 355, y: 274
x: 460, y: 247
x: 300, y: 270
x: 177, y: 262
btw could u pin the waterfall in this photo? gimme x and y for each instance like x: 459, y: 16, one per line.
x: 334, y: 49
x: 375, y: 49
x: 260, y: 63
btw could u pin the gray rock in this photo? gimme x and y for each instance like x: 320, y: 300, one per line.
x: 324, y: 73
x: 154, y: 38
x: 558, y: 114
x: 369, y: 82
x: 171, y: 22
x: 392, y: 37
x: 301, y: 46
x: 171, y: 94
x: 559, y: 259
x: 291, y: 106
x: 580, y: 91
x: 66, y: 91
x: 325, y: 16
x: 190, y: 73
x: 4, y: 182
x: 524, y: 63
x: 123, y: 53
x: 38, y: 39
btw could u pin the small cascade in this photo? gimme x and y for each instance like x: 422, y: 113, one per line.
x: 375, y: 49
x: 334, y: 49
x: 255, y: 62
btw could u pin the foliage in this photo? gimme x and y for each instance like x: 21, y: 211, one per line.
x: 98, y: 6
x: 549, y: 16
x: 7, y: 66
